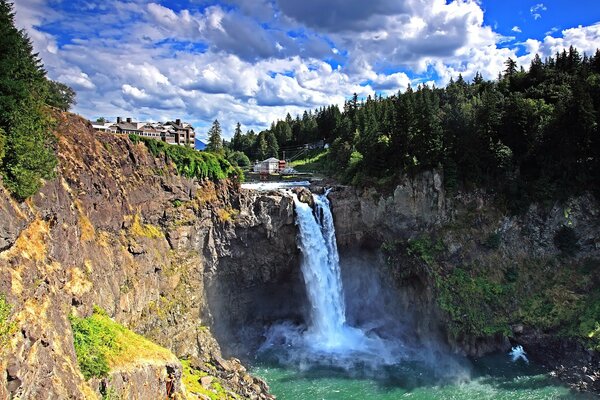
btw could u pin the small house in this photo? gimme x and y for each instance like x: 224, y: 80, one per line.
x: 268, y: 166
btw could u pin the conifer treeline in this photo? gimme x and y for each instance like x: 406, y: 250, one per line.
x: 530, y: 134
x: 26, y: 142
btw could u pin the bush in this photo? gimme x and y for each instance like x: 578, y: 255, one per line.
x: 566, y: 239
x: 91, y: 340
x: 493, y: 241
x: 192, y: 163
x: 102, y: 344
x: 238, y: 159
x: 425, y: 249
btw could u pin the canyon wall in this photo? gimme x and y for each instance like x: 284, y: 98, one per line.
x: 168, y: 257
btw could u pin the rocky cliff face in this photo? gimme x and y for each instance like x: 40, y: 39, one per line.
x: 483, y: 277
x: 162, y: 255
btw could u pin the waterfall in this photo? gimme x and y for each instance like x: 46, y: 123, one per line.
x: 327, y: 339
x: 321, y: 270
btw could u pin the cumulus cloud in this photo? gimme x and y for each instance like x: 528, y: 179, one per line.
x: 254, y: 61
x: 516, y: 29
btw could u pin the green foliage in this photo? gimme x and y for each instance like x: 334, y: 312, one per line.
x: 28, y: 144
x: 475, y: 303
x: 425, y: 249
x: 566, y: 240
x: 6, y: 326
x: 529, y: 136
x: 314, y: 161
x: 493, y: 240
x: 92, y: 341
x: 191, y: 379
x: 2, y: 145
x: 589, y: 321
x: 238, y: 159
x: 60, y: 96
x: 30, y: 155
x: 215, y: 141
x: 192, y: 163
x: 101, y: 344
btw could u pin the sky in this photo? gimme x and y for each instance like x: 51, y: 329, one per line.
x: 254, y: 61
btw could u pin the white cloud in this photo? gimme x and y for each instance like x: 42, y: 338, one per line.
x: 537, y: 9
x: 516, y: 29
x: 239, y: 61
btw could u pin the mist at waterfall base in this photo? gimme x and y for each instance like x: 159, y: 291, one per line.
x: 356, y: 343
x: 357, y: 332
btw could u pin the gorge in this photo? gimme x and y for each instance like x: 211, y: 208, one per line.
x: 178, y: 261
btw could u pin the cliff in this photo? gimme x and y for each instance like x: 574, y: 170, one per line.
x: 484, y: 278
x: 167, y: 257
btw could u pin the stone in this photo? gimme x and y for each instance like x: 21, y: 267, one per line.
x: 206, y: 381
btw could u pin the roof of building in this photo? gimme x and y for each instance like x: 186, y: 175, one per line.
x: 127, y: 126
x: 271, y: 160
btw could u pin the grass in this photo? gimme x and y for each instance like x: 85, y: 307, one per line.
x: 314, y: 162
x: 7, y: 327
x: 191, y: 380
x: 145, y: 230
x: 102, y: 344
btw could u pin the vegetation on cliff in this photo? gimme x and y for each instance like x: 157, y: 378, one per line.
x: 6, y: 326
x: 26, y: 143
x: 489, y: 295
x: 192, y: 163
x: 212, y: 389
x: 101, y: 344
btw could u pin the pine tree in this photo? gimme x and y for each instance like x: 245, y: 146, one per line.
x: 236, y: 142
x: 215, y: 142
x: 272, y: 146
x: 28, y: 142
x: 261, y: 146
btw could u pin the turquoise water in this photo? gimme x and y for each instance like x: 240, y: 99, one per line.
x: 490, y: 378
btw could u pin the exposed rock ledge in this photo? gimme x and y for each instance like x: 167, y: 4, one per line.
x: 161, y: 254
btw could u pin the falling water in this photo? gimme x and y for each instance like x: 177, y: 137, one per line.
x: 304, y: 361
x: 328, y: 338
x: 321, y: 270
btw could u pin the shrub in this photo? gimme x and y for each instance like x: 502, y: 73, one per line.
x: 493, y: 241
x: 192, y: 163
x: 425, y: 249
x: 92, y: 340
x: 102, y: 344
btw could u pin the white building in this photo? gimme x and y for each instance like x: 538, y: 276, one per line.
x: 268, y: 166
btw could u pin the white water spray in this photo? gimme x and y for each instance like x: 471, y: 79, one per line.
x: 321, y: 271
x: 328, y: 340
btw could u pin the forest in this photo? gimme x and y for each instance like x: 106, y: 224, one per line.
x: 530, y: 134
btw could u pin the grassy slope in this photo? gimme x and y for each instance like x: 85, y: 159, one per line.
x: 102, y: 345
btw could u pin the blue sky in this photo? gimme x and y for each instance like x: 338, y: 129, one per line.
x: 254, y: 61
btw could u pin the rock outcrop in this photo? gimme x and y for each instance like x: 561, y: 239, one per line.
x: 549, y: 253
x: 163, y: 255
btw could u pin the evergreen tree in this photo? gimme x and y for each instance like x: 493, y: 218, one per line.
x: 262, y: 148
x: 60, y: 96
x: 272, y: 146
x: 28, y: 150
x: 237, y: 141
x: 215, y: 143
